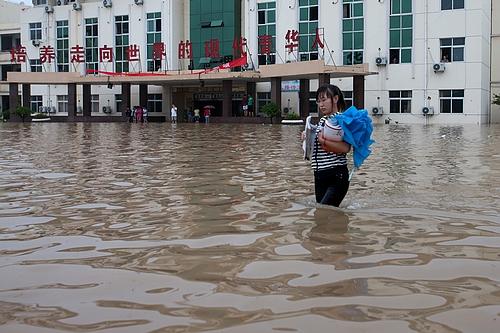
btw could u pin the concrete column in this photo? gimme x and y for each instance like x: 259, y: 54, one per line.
x: 87, y: 100
x: 125, y: 98
x: 13, y: 101
x: 304, y: 98
x: 143, y: 95
x: 276, y: 91
x: 227, y: 102
x: 252, y: 91
x: 167, y: 102
x: 323, y: 79
x: 71, y: 101
x: 359, y: 91
x: 27, y: 95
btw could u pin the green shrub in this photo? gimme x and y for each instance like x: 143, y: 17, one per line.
x: 39, y: 116
x: 22, y: 113
x: 496, y: 99
x: 292, y: 116
x: 4, y: 115
x: 271, y: 110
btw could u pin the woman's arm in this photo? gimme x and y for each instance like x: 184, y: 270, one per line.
x: 336, y: 147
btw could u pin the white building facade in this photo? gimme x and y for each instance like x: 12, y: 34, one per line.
x: 10, y: 37
x: 432, y: 56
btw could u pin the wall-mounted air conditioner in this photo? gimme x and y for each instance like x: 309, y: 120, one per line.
x: 377, y: 110
x: 107, y: 3
x: 106, y: 109
x: 381, y: 61
x: 427, y: 110
x: 77, y: 5
x: 139, y: 2
x: 49, y: 9
x: 62, y: 2
x: 36, y: 42
x: 439, y: 67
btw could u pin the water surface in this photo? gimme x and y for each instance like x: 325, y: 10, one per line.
x: 199, y: 228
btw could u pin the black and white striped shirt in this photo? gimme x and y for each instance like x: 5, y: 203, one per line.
x: 321, y: 159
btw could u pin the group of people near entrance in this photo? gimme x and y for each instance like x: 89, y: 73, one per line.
x: 247, y: 106
x: 138, y: 114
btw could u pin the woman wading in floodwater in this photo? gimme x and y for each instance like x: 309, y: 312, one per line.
x: 328, y: 157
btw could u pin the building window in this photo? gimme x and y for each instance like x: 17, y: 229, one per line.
x: 36, y: 31
x: 352, y: 32
x: 308, y: 23
x: 154, y: 103
x: 94, y: 102
x: 62, y: 44
x: 451, y: 101
x: 452, y: 49
x: 118, y: 102
x: 121, y: 43
x: 153, y: 35
x: 36, y: 103
x: 35, y: 65
x: 39, y: 2
x: 400, y: 101
x: 263, y: 98
x: 266, y: 25
x: 62, y: 103
x: 452, y: 4
x: 400, y: 32
x: 347, y: 98
x: 92, y: 43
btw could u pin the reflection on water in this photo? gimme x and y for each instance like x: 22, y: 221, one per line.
x: 193, y: 228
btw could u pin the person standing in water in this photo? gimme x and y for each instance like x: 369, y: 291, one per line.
x: 328, y: 158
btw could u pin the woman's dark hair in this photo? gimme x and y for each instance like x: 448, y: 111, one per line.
x: 330, y: 91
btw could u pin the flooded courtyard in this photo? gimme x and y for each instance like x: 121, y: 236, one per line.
x: 213, y: 228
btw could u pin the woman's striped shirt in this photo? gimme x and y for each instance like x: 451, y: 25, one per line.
x: 321, y: 159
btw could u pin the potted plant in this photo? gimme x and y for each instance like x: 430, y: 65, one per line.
x: 271, y: 110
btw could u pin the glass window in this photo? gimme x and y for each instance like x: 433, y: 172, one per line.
x: 35, y: 65
x: 62, y: 46
x: 452, y: 49
x: 92, y: 43
x: 452, y: 4
x: 94, y: 100
x: 451, y: 101
x: 62, y: 103
x: 36, y: 103
x: 353, y: 32
x: 155, y: 103
x: 35, y: 31
x: 153, y: 36
x: 121, y: 44
x: 400, y: 32
x: 400, y: 101
x: 308, y: 22
x: 267, y: 32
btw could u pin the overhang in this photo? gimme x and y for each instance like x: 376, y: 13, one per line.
x: 287, y: 71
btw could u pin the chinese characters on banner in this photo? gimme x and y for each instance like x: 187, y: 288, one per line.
x: 185, y: 49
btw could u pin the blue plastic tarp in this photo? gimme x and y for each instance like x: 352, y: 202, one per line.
x: 358, y: 128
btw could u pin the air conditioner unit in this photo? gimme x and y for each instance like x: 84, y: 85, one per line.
x: 49, y: 9
x: 77, y: 6
x: 381, y: 61
x: 439, y: 67
x: 62, y: 2
x: 139, y: 2
x: 107, y: 3
x: 427, y: 110
x: 36, y: 42
x: 106, y: 109
x: 377, y: 110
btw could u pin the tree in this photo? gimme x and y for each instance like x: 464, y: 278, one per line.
x: 271, y: 110
x: 22, y: 112
x: 496, y: 99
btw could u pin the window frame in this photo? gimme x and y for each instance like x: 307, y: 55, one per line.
x: 307, y: 36
x: 453, y: 4
x: 451, y: 49
x: 35, y: 29
x: 352, y: 55
x: 62, y: 51
x: 155, y: 34
x: 268, y: 9
x: 92, y: 43
x: 404, y: 97
x: 454, y: 95
x: 122, y: 43
x: 403, y: 13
